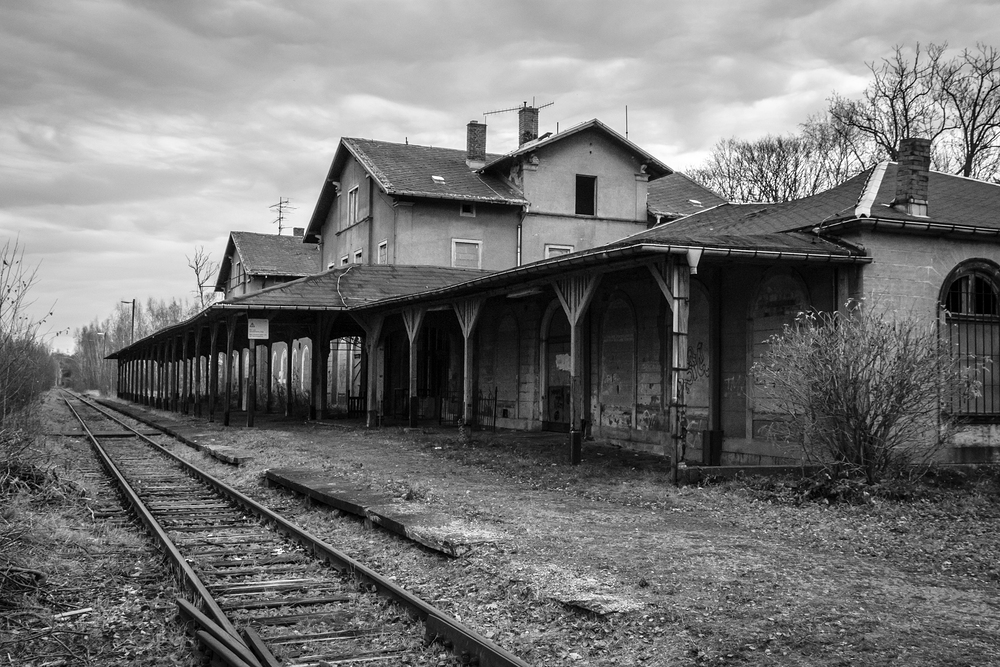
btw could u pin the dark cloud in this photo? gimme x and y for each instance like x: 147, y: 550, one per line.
x: 132, y: 131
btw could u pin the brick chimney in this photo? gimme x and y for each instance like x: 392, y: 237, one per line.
x: 912, y: 168
x: 527, y: 124
x: 475, y: 156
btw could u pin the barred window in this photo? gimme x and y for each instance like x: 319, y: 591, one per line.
x: 970, y: 298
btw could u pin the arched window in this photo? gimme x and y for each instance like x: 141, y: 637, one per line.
x: 970, y: 298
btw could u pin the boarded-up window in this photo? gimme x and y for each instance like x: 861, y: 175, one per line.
x: 971, y: 301
x: 507, y: 367
x: 780, y: 298
x: 466, y: 254
x: 618, y: 365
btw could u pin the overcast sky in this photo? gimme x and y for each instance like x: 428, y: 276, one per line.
x: 133, y: 132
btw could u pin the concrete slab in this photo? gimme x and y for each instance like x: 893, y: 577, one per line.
x: 414, y: 522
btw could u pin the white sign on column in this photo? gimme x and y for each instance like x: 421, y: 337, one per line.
x: 257, y: 328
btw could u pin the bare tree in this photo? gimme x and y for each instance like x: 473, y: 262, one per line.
x: 903, y: 100
x: 204, y: 270
x: 775, y: 169
x: 25, y: 363
x: 970, y: 83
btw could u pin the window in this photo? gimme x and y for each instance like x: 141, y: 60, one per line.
x: 970, y: 298
x: 357, y: 256
x: 466, y: 254
x: 345, y: 260
x: 352, y: 206
x: 467, y: 210
x: 586, y: 195
x: 552, y: 250
x: 383, y: 252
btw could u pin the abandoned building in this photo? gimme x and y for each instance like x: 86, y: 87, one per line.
x: 578, y: 284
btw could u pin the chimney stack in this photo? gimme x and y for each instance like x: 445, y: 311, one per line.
x: 912, y: 169
x: 475, y: 156
x: 527, y: 124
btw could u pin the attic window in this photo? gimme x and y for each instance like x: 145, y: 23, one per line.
x: 468, y: 210
x: 586, y: 195
x: 695, y: 202
x: 438, y: 180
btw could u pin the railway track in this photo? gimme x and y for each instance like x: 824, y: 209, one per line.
x: 260, y: 590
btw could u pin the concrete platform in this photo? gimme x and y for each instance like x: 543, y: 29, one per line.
x: 432, y: 529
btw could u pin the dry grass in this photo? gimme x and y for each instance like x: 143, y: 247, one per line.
x: 739, y: 573
x: 54, y: 558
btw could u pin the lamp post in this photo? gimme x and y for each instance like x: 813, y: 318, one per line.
x: 101, y: 367
x: 131, y: 335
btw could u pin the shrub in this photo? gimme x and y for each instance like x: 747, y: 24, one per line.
x: 861, y: 389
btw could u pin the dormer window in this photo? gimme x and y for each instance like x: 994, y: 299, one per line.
x: 586, y: 195
x: 467, y: 210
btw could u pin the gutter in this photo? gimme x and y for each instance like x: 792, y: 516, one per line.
x: 913, y: 225
x: 606, y: 254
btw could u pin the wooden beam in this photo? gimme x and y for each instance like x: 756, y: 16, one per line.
x: 467, y: 313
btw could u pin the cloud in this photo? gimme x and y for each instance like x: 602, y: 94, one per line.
x: 132, y: 131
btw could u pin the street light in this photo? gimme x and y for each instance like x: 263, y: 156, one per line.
x: 104, y: 353
x: 131, y: 335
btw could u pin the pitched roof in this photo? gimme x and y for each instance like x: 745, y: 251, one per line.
x: 353, y: 285
x: 676, y: 195
x: 426, y: 171
x: 268, y: 255
x: 954, y: 202
x: 654, y: 167
x: 951, y: 200
x: 409, y: 170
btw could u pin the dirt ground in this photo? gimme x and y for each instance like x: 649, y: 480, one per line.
x: 607, y: 563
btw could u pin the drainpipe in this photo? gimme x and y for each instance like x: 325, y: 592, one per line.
x: 520, y: 222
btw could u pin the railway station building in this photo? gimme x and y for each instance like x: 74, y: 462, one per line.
x: 578, y: 284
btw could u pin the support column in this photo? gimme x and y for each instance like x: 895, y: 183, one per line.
x: 213, y: 369
x: 373, y: 332
x: 161, y: 378
x: 320, y: 340
x: 413, y: 318
x: 468, y: 315
x: 575, y: 293
x: 197, y: 372
x: 289, y: 342
x: 251, y: 381
x: 186, y: 376
x: 230, y: 338
x: 269, y: 370
x: 240, y: 380
x: 674, y: 280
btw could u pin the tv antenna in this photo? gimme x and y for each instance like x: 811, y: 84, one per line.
x: 524, y: 105
x: 281, y: 208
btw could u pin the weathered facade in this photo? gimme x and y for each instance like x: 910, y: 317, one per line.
x: 610, y: 306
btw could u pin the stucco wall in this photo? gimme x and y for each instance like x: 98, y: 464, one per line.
x: 581, y: 232
x: 908, y: 271
x: 424, y: 233
x: 550, y: 185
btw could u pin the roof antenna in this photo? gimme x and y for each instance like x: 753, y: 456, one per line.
x: 281, y: 207
x: 626, y: 121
